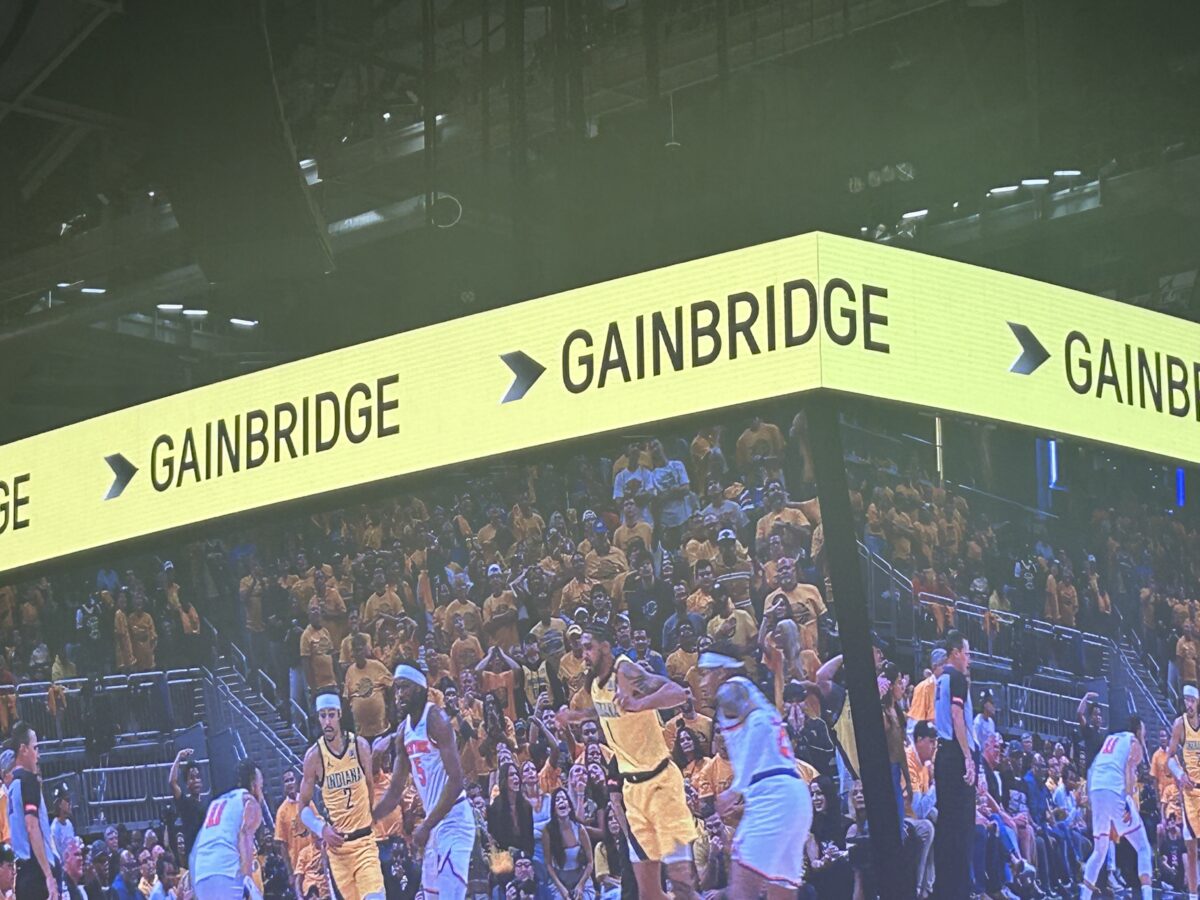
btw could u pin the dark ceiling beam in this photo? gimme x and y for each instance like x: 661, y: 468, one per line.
x: 51, y: 65
x: 360, y: 54
x: 53, y: 154
x: 113, y: 6
x: 67, y: 113
x: 177, y: 283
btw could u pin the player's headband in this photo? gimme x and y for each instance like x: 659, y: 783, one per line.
x: 1189, y: 690
x: 710, y: 660
x: 416, y: 676
x: 328, y: 701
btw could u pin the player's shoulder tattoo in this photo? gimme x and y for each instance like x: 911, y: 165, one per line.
x: 637, y: 678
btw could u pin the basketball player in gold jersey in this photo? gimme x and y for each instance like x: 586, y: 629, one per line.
x: 1185, y: 743
x: 339, y: 763
x: 626, y: 699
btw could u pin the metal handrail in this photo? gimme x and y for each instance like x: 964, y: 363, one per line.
x: 1041, y: 626
x: 973, y: 610
x: 251, y: 675
x: 1018, y: 706
x: 255, y: 722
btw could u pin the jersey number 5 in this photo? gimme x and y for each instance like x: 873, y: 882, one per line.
x: 785, y: 743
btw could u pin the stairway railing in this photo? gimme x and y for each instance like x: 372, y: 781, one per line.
x: 257, y: 679
x: 887, y: 589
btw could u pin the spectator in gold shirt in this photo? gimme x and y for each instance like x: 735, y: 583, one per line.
x: 368, y: 688
x: 143, y: 636
x: 525, y: 523
x: 571, y: 666
x: 760, y: 445
x: 605, y: 563
x: 921, y: 708
x: 333, y: 607
x: 495, y: 538
x: 316, y: 653
x: 732, y: 568
x: 684, y: 657
x: 735, y: 627
x: 632, y: 525
x: 500, y: 610
x: 700, y: 600
x: 383, y: 602
x: 461, y: 605
x: 804, y: 600
x: 466, y: 651
x: 252, y: 589
x: 576, y: 589
x: 346, y: 648
x: 1187, y: 649
x: 309, y: 873
x: 290, y: 833
x: 123, y: 648
x: 793, y: 524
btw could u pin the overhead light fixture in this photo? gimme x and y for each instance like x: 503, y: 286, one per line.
x: 915, y: 214
x: 150, y: 194
x: 63, y: 284
x: 387, y: 117
x: 954, y: 205
x: 93, y: 290
x: 1067, y: 173
x: 1004, y: 189
x: 243, y: 323
x: 195, y: 313
x: 1034, y: 182
x: 345, y: 137
x: 170, y: 307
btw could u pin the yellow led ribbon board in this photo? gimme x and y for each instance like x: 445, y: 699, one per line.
x: 781, y: 318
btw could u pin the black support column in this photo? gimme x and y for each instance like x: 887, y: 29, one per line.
x: 854, y: 626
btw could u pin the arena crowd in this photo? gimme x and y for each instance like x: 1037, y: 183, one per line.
x: 487, y: 579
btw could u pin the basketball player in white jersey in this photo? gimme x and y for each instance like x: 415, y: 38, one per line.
x: 768, y: 847
x: 425, y: 745
x: 222, y: 856
x: 1112, y: 788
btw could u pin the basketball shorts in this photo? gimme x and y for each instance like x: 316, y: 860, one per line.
x: 770, y: 838
x: 355, y: 870
x: 448, y: 855
x: 1113, y: 813
x: 661, y: 826
x: 1190, y: 801
x: 220, y: 887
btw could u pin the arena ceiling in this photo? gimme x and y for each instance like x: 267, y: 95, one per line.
x: 650, y: 134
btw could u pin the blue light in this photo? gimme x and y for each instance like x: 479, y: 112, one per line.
x: 1052, y: 449
x: 1180, y: 487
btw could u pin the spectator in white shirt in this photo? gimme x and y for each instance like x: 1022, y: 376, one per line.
x: 985, y: 720
x: 62, y: 829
